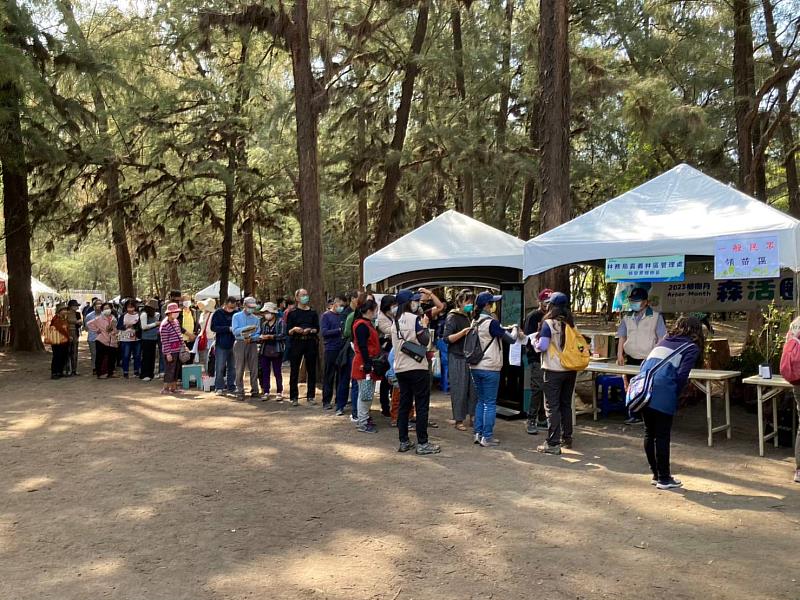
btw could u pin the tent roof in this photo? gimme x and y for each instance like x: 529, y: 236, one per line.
x: 681, y: 211
x: 212, y: 291
x: 37, y: 287
x: 450, y: 240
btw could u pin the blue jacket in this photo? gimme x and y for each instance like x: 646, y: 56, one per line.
x: 331, y: 328
x: 221, y: 322
x: 241, y: 320
x: 671, y: 379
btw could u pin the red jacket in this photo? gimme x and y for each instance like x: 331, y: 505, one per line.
x: 373, y: 348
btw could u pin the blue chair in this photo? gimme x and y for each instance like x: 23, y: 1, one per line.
x: 191, y: 373
x: 606, y: 383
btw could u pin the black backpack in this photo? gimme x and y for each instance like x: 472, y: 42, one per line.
x: 473, y: 350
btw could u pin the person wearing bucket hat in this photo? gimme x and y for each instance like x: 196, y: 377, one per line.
x: 640, y: 330
x: 486, y: 372
x: 535, y: 410
x: 246, y: 328
x: 206, y: 337
x: 171, y: 346
x: 273, y: 341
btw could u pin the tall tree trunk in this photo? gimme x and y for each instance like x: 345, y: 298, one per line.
x: 25, y: 334
x: 249, y: 257
x: 111, y: 173
x: 505, y: 183
x: 174, y: 278
x: 744, y: 90
x: 529, y: 189
x: 306, y: 116
x: 389, y: 192
x: 785, y: 131
x: 467, y: 187
x: 359, y: 188
x: 553, y: 124
x: 227, y: 236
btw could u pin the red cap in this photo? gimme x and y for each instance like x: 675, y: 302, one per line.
x: 545, y: 294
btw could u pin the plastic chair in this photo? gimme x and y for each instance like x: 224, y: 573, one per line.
x: 606, y: 383
x: 191, y: 373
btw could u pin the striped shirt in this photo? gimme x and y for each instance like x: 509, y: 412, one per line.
x: 171, y: 339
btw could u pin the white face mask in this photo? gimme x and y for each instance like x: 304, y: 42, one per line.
x: 393, y: 311
x: 414, y: 306
x: 107, y: 312
x: 187, y: 303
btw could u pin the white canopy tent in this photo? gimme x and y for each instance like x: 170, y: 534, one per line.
x: 681, y: 211
x: 39, y: 288
x: 452, y: 244
x: 212, y: 291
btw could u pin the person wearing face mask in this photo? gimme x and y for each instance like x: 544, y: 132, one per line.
x: 60, y: 322
x: 462, y: 389
x: 224, y: 363
x: 149, y: 321
x: 171, y: 346
x: 129, y: 334
x: 367, y: 349
x: 189, y: 325
x: 105, y: 330
x: 302, y: 328
x: 640, y: 330
x: 383, y: 324
x: 97, y: 307
x: 536, y: 409
x: 332, y: 327
x: 246, y: 328
x: 273, y: 338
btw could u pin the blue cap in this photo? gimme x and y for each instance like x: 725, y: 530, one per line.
x: 558, y: 299
x: 485, y: 298
x: 638, y: 294
x: 404, y: 296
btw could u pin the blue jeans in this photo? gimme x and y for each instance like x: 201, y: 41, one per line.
x: 486, y: 385
x: 131, y: 349
x: 225, y: 368
x: 444, y: 380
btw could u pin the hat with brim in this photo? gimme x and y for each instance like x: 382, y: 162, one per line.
x: 405, y: 296
x: 207, y: 305
x: 173, y: 307
x: 485, y: 298
x: 269, y: 307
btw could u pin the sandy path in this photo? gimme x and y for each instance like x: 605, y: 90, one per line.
x: 108, y: 490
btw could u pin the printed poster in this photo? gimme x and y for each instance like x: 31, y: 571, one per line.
x: 747, y: 257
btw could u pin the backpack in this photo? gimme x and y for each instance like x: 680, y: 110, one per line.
x: 473, y: 349
x: 790, y: 360
x: 640, y: 388
x: 576, y: 353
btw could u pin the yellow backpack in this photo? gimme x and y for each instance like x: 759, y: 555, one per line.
x: 576, y: 353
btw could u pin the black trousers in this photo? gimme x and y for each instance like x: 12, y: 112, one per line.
x: 657, y: 433
x: 415, y: 387
x: 558, y: 389
x: 301, y: 349
x: 148, y: 359
x: 60, y: 358
x: 331, y: 376
x: 385, y: 394
x: 106, y: 357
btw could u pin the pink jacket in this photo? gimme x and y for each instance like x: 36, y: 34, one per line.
x: 105, y: 328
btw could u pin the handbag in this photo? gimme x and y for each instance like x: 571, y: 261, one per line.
x: 380, y: 365
x: 640, y: 388
x: 184, y: 356
x: 413, y: 350
x: 346, y: 354
x: 53, y: 337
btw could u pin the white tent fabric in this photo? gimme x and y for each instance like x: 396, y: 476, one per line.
x: 39, y: 288
x: 449, y: 240
x: 212, y: 291
x: 681, y: 211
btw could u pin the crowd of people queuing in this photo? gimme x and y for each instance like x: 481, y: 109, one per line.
x: 388, y: 343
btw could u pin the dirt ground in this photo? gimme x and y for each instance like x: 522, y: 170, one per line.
x: 109, y: 490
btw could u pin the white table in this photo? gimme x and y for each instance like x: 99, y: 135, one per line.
x: 703, y: 379
x: 768, y: 389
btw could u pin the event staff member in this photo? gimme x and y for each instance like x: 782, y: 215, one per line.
x: 640, y: 330
x: 535, y: 363
x: 302, y: 325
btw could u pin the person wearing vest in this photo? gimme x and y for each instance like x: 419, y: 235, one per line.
x: 639, y: 332
x: 388, y: 308
x: 558, y: 382
x: 532, y: 321
x: 367, y: 346
x: 413, y: 377
x: 463, y: 396
x: 486, y: 374
x: 686, y: 335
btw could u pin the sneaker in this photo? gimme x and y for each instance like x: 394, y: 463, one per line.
x: 412, y: 426
x: 489, y: 442
x: 255, y: 395
x: 797, y: 476
x: 531, y: 427
x: 433, y: 425
x: 548, y: 449
x: 368, y: 428
x: 160, y: 376
x: 295, y: 403
x: 406, y: 446
x: 147, y: 378
x: 654, y: 480
x: 428, y: 448
x: 221, y: 393
x: 135, y: 374
x: 239, y: 398
x: 279, y: 398
x: 265, y: 397
x: 311, y: 402
x: 634, y: 421
x: 392, y: 423
x: 353, y: 419
x: 476, y: 439
x: 327, y: 406
x: 566, y: 443
x: 542, y: 424
x: 669, y: 484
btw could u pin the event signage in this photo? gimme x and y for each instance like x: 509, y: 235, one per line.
x: 702, y: 293
x: 651, y: 268
x: 747, y: 257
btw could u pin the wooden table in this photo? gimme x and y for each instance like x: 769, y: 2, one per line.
x: 703, y: 379
x: 768, y: 389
